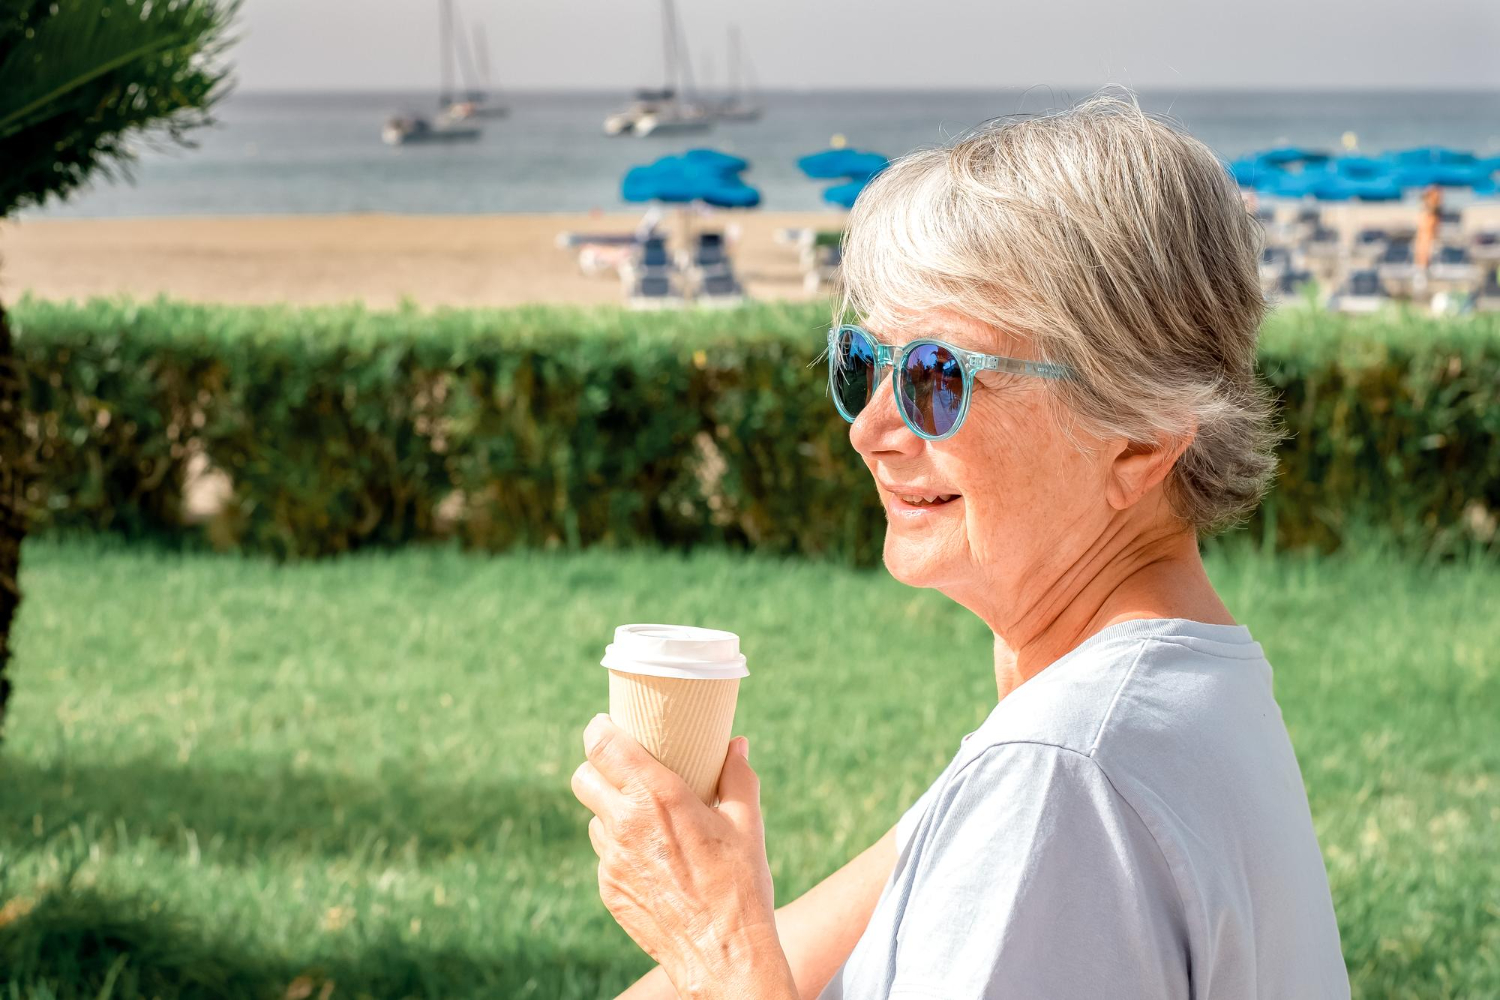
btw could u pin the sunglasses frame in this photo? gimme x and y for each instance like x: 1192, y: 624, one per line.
x: 970, y: 363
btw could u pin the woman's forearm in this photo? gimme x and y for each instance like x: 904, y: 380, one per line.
x: 656, y: 985
x: 756, y: 972
x: 818, y: 930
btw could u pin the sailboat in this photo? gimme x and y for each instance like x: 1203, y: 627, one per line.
x: 410, y: 128
x: 663, y: 112
x: 476, y: 99
x: 740, y: 106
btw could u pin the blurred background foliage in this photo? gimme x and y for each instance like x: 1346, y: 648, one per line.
x: 332, y: 429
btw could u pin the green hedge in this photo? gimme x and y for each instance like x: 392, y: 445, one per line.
x: 340, y: 427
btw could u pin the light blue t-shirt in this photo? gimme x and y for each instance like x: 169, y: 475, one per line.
x: 1130, y: 822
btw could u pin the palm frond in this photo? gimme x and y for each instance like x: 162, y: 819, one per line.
x: 78, y: 76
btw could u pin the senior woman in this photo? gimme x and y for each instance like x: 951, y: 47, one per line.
x: 1052, y: 384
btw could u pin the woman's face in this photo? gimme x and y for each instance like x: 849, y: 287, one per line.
x: 1026, y: 502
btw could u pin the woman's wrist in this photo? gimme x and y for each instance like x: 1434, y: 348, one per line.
x: 745, y: 964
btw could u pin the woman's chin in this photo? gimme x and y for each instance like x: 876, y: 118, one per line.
x: 914, y: 565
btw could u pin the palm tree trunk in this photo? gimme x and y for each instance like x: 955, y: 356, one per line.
x: 12, y: 515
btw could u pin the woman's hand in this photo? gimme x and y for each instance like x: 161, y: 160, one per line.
x: 688, y: 882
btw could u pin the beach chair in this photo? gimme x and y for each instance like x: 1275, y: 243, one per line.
x: 600, y: 252
x: 1274, y: 262
x: 825, y: 264
x: 720, y: 289
x: 1450, y: 224
x: 1303, y: 224
x: 794, y: 236
x: 1322, y: 244
x: 1488, y: 297
x: 1369, y: 244
x: 650, y: 258
x: 1397, y: 267
x: 655, y: 291
x: 708, y: 254
x: 1291, y: 284
x: 1485, y: 245
x: 1452, y: 265
x: 1362, y: 292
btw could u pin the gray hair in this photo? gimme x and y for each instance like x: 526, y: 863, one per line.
x: 1113, y: 243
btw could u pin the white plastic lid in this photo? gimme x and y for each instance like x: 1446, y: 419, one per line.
x: 675, y: 651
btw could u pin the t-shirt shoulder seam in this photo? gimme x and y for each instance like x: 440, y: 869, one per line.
x: 1114, y: 699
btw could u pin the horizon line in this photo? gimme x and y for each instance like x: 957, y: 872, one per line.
x: 1381, y: 88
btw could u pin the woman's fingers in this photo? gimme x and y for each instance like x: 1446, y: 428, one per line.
x: 616, y: 754
x: 596, y: 835
x: 598, y: 794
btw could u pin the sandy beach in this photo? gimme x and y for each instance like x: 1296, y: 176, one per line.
x: 455, y: 260
x: 461, y: 260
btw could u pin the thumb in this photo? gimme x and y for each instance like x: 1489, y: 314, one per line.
x: 739, y: 786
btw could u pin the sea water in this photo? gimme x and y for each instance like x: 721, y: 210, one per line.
x: 321, y: 152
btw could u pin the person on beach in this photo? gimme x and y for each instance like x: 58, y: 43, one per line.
x: 1427, y: 228
x: 1045, y: 346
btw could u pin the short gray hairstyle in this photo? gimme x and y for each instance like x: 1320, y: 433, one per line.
x: 1112, y: 242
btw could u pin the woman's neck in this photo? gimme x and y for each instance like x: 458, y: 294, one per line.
x: 1162, y: 578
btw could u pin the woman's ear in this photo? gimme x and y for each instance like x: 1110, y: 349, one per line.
x: 1138, y: 466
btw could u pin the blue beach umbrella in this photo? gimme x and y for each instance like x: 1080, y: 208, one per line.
x: 1285, y: 155
x: 1374, y: 189
x: 713, y: 159
x: 856, y: 165
x: 705, y: 175
x: 1361, y: 167
x: 1431, y: 156
x: 831, y: 163
x: 844, y: 194
x: 1289, y: 185
x: 698, y: 175
x: 1255, y: 172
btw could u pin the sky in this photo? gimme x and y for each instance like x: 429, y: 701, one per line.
x: 887, y: 44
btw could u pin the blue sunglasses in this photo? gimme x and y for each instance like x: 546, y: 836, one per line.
x: 932, y: 380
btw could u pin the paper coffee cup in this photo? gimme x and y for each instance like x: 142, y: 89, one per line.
x: 674, y: 688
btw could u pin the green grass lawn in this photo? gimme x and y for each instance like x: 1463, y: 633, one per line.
x: 228, y: 778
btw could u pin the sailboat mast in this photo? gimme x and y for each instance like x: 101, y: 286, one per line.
x: 445, y: 50
x: 482, y: 55
x: 734, y: 60
x: 465, y: 57
x: 668, y: 46
x: 685, y: 65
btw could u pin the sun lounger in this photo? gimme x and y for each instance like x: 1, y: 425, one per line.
x: 1450, y: 224
x: 655, y: 291
x: 1488, y: 299
x: 1396, y: 266
x: 720, y: 290
x: 1452, y: 265
x: 708, y: 253
x: 1322, y: 244
x: 1274, y: 262
x: 824, y: 265
x: 1291, y: 284
x: 1361, y: 293
x: 1369, y: 244
x: 1485, y: 245
x: 599, y: 252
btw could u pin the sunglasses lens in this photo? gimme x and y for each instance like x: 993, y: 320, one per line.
x: 932, y: 389
x: 853, y: 371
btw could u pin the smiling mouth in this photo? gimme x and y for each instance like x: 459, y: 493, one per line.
x: 928, y: 500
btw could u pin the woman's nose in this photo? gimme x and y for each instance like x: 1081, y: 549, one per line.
x: 879, y: 430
